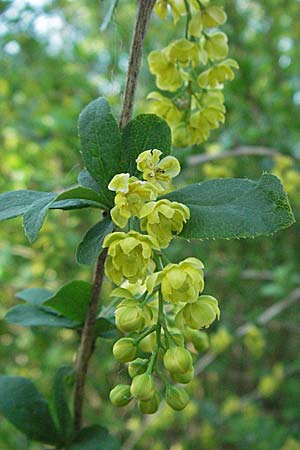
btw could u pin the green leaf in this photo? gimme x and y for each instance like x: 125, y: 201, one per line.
x: 86, y: 180
x: 16, y: 203
x: 91, y: 245
x: 105, y: 328
x: 234, y: 208
x: 34, y: 296
x: 145, y: 132
x: 100, y: 144
x: 82, y: 193
x: 95, y: 438
x: 63, y: 378
x: 72, y: 300
x: 22, y: 404
x: 73, y: 204
x: 34, y: 217
x: 36, y: 316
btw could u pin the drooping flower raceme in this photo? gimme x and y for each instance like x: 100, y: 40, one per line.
x: 135, y: 262
x: 191, y: 68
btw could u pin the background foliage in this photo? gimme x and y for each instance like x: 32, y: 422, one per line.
x: 54, y: 61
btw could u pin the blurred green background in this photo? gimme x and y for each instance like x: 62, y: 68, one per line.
x: 54, y: 60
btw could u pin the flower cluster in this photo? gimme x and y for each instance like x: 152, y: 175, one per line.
x: 193, y: 69
x: 160, y: 307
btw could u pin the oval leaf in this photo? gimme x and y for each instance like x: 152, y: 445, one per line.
x: 145, y: 132
x: 100, y: 144
x: 91, y: 245
x: 63, y: 378
x: 72, y: 300
x: 95, y: 438
x: 22, y: 404
x: 234, y: 208
x: 34, y: 296
x: 35, y: 316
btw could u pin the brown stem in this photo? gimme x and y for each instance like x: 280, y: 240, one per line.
x: 87, y: 341
x: 143, y: 15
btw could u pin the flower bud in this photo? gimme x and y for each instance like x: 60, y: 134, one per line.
x: 202, y: 313
x: 120, y: 395
x: 178, y: 360
x: 176, y: 337
x: 184, y: 378
x: 137, y: 367
x: 147, y: 344
x: 176, y: 397
x: 143, y: 387
x: 129, y: 318
x: 199, y: 339
x: 149, y: 406
x: 125, y: 350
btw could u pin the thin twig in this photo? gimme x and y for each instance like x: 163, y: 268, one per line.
x: 87, y: 342
x: 144, y: 12
x: 249, y: 150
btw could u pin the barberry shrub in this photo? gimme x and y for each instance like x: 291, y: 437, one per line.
x: 159, y: 308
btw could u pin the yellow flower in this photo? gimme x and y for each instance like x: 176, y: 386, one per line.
x: 210, y: 17
x: 179, y: 282
x: 220, y: 340
x: 213, y: 16
x: 207, y: 118
x: 159, y: 173
x: 168, y: 77
x: 164, y: 107
x: 196, y: 25
x: 217, y: 74
x: 216, y: 46
x: 254, y: 341
x: 131, y: 196
x: 129, y: 256
x: 202, y: 313
x: 291, y: 444
x: 183, y: 52
x: 161, y: 9
x: 160, y: 219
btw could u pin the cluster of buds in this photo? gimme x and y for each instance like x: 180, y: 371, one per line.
x: 160, y: 308
x: 193, y: 69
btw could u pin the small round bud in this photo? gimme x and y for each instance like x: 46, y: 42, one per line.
x: 143, y: 387
x: 176, y: 337
x: 199, y: 339
x: 147, y: 344
x: 125, y: 350
x: 149, y: 406
x: 129, y: 317
x: 184, y: 378
x: 120, y: 395
x: 137, y: 367
x: 178, y: 360
x: 176, y: 397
